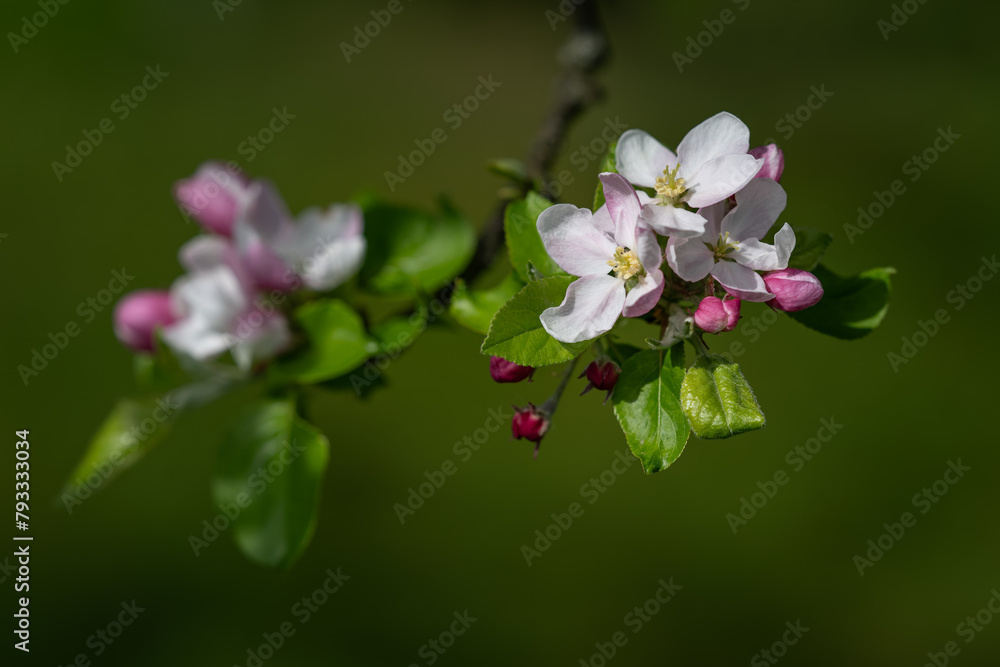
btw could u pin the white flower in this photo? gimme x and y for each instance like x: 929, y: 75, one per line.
x: 324, y: 248
x: 710, y: 165
x: 218, y: 309
x: 616, y: 256
x: 730, y: 248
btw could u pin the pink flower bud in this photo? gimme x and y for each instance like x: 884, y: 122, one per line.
x: 715, y: 315
x: 502, y: 370
x: 602, y: 376
x: 137, y: 316
x: 793, y: 289
x: 529, y: 423
x: 212, y: 197
x: 774, y: 161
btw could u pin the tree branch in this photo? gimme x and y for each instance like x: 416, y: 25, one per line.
x: 575, y: 88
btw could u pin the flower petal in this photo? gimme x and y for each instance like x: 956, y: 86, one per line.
x: 719, y: 178
x: 602, y: 220
x: 741, y: 282
x: 784, y: 242
x: 623, y: 205
x: 260, y: 342
x: 574, y: 241
x: 756, y: 255
x: 648, y: 248
x: 641, y: 159
x: 672, y: 221
x: 758, y: 206
x: 591, y: 307
x: 713, y: 215
x: 326, y: 247
x: 689, y: 258
x: 644, y: 295
x: 265, y: 211
x: 722, y: 134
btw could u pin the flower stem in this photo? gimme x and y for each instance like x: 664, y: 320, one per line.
x: 699, y: 345
x: 550, y: 405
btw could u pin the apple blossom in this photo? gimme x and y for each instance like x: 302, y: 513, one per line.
x: 583, y: 244
x: 711, y: 164
x: 715, y: 315
x: 793, y: 289
x: 139, y: 314
x: 730, y: 248
x: 213, y: 196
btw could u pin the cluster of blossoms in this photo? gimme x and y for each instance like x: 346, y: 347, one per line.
x: 704, y: 210
x: 252, y: 256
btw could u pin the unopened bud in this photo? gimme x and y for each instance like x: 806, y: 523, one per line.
x: 793, y: 289
x: 715, y: 315
x: 137, y: 316
x: 774, y: 161
x: 502, y: 370
x: 529, y: 423
x: 601, y: 375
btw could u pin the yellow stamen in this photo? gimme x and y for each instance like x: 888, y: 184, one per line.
x: 626, y: 264
x: 670, y: 188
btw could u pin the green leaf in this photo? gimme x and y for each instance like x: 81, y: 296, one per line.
x: 132, y: 429
x: 608, y: 163
x: 810, y: 246
x: 337, y: 344
x: 851, y: 307
x: 399, y: 332
x: 523, y: 240
x: 647, y: 404
x: 270, y: 471
x: 474, y: 309
x: 717, y: 399
x: 413, y: 251
x: 516, y: 333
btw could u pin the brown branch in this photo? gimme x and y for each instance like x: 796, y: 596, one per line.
x: 575, y: 88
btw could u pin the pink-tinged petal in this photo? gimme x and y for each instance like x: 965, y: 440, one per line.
x: 722, y: 134
x: 641, y: 159
x: 623, y: 205
x: 758, y: 206
x: 713, y: 215
x: 572, y: 239
x: 689, y: 258
x: 732, y: 307
x: 784, y: 243
x: 268, y: 271
x: 208, y: 253
x: 672, y: 221
x: 741, y: 282
x: 793, y: 289
x: 602, y: 220
x: 212, y: 196
x: 591, y: 307
x: 711, y: 315
x: 719, y: 178
x: 648, y: 248
x: 774, y: 161
x: 644, y: 295
x: 265, y: 211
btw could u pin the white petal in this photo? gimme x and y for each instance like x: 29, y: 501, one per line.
x: 741, y: 282
x: 623, y: 205
x: 784, y: 242
x: 574, y: 241
x: 648, y: 248
x: 215, y: 297
x: 643, y: 296
x: 265, y: 211
x: 602, y: 220
x: 673, y: 221
x: 203, y: 253
x: 326, y: 247
x: 641, y: 159
x: 719, y: 178
x: 689, y: 258
x: 758, y: 206
x: 263, y: 342
x: 195, y: 338
x: 722, y: 134
x: 713, y: 215
x: 755, y: 255
x: 591, y: 307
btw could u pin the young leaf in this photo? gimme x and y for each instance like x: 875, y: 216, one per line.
x: 607, y: 164
x: 851, y: 307
x: 523, y: 240
x: 474, y: 309
x: 270, y: 472
x: 127, y: 434
x: 810, y: 246
x: 718, y: 401
x: 413, y: 251
x: 398, y: 333
x: 516, y: 333
x: 647, y: 404
x: 337, y: 344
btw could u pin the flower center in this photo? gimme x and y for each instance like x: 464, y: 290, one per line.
x: 670, y: 188
x: 626, y: 264
x: 723, y: 247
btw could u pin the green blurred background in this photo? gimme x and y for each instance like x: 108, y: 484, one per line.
x: 462, y: 549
